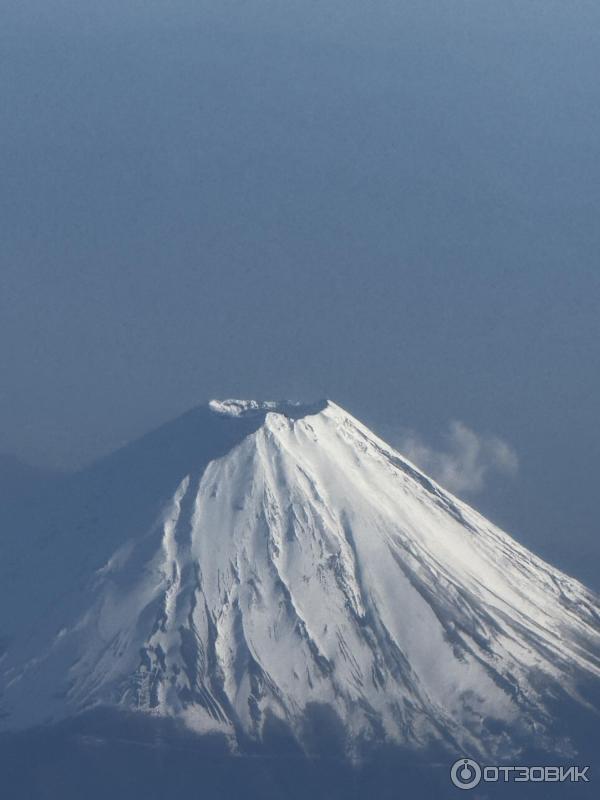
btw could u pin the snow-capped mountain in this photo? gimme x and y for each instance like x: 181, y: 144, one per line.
x: 252, y: 561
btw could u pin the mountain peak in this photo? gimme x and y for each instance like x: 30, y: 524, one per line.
x: 252, y: 408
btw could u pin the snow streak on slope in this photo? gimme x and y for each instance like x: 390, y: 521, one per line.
x: 309, y: 563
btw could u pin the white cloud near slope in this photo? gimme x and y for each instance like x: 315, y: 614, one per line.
x: 465, y: 461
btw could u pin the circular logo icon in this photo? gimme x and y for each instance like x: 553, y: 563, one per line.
x: 465, y: 773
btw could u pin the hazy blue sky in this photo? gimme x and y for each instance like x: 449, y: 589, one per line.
x: 395, y: 204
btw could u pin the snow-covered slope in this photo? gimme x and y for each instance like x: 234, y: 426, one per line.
x: 295, y: 561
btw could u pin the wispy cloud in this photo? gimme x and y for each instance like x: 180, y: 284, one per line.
x: 465, y: 461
